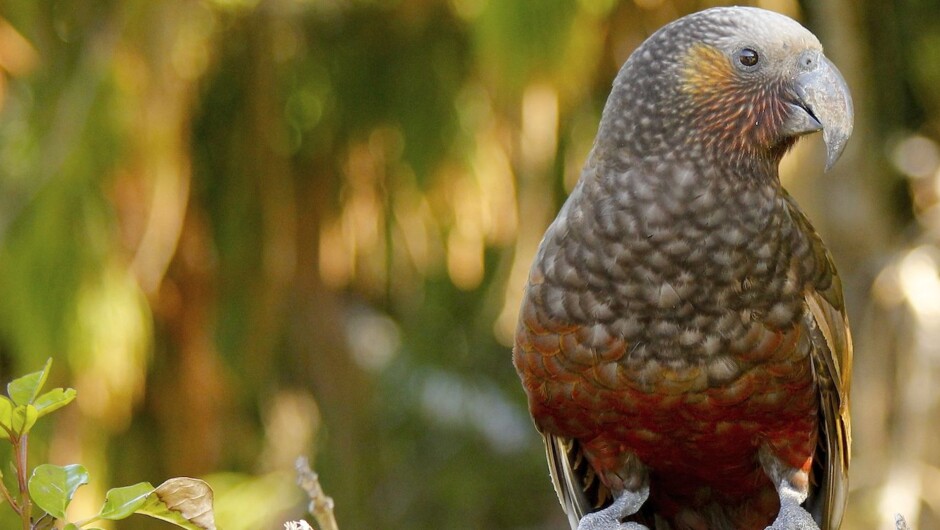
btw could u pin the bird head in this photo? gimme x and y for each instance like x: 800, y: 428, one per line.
x: 732, y: 84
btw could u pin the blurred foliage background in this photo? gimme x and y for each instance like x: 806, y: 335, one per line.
x: 252, y: 229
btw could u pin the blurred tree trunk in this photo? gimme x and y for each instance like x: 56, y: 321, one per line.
x: 315, y: 354
x: 174, y: 256
x: 189, y: 393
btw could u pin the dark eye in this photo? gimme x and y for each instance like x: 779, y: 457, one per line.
x: 748, y: 57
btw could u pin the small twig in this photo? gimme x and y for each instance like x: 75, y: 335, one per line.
x: 320, y: 506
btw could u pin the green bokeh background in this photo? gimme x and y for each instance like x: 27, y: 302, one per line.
x: 251, y: 229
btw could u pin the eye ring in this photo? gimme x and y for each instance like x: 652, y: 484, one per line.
x: 748, y: 57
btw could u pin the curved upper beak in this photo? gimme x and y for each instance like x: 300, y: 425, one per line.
x: 822, y: 103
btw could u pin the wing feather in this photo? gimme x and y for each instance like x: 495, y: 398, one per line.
x: 832, y: 363
x: 579, y: 489
x: 564, y: 478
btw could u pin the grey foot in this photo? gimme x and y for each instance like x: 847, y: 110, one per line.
x: 792, y: 516
x: 792, y: 487
x: 626, y: 504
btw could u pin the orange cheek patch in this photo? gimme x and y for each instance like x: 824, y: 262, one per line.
x: 706, y: 72
x: 732, y: 111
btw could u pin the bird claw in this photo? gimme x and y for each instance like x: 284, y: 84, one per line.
x: 625, y: 504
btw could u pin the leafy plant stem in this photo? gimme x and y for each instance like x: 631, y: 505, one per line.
x: 20, y: 445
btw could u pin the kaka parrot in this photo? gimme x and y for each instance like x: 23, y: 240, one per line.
x: 682, y: 339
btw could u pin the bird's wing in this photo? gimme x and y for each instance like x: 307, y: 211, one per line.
x: 832, y: 363
x: 579, y: 489
x: 828, y: 329
x: 561, y: 453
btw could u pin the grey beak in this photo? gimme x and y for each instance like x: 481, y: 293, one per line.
x: 822, y: 103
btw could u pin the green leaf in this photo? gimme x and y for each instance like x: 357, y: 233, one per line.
x: 71, y: 526
x: 6, y: 413
x: 54, y: 400
x: 24, y: 417
x: 24, y: 390
x: 122, y: 502
x: 185, y: 502
x: 52, y: 487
